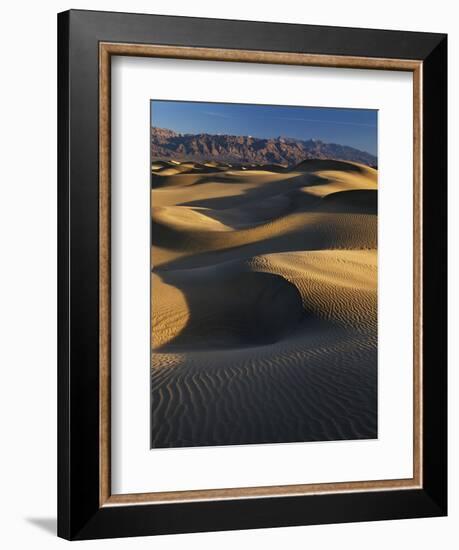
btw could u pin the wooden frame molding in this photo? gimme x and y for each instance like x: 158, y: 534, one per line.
x: 106, y: 51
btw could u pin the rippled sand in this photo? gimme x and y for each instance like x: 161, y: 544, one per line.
x: 264, y: 303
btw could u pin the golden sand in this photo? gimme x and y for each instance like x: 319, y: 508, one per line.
x: 264, y: 303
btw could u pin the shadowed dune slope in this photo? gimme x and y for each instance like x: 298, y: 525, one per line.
x: 237, y: 308
x: 264, y: 303
x: 358, y: 201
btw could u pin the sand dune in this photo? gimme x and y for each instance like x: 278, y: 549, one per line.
x: 229, y: 308
x: 264, y: 303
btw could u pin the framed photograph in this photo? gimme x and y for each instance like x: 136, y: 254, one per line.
x: 252, y: 274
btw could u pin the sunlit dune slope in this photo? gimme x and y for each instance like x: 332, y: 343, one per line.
x: 261, y: 300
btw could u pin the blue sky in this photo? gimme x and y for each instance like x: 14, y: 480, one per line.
x: 354, y: 127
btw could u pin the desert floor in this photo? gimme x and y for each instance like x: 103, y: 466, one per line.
x: 264, y: 303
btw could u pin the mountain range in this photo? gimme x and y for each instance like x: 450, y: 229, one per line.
x: 167, y: 144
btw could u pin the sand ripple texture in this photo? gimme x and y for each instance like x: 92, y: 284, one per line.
x: 264, y: 303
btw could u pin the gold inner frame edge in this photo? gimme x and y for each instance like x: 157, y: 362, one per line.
x: 106, y: 51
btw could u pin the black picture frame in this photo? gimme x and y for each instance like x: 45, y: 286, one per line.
x: 80, y: 515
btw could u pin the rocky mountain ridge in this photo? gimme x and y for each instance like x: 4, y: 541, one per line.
x: 167, y: 144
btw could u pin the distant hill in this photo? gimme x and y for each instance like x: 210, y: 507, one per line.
x: 167, y: 144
